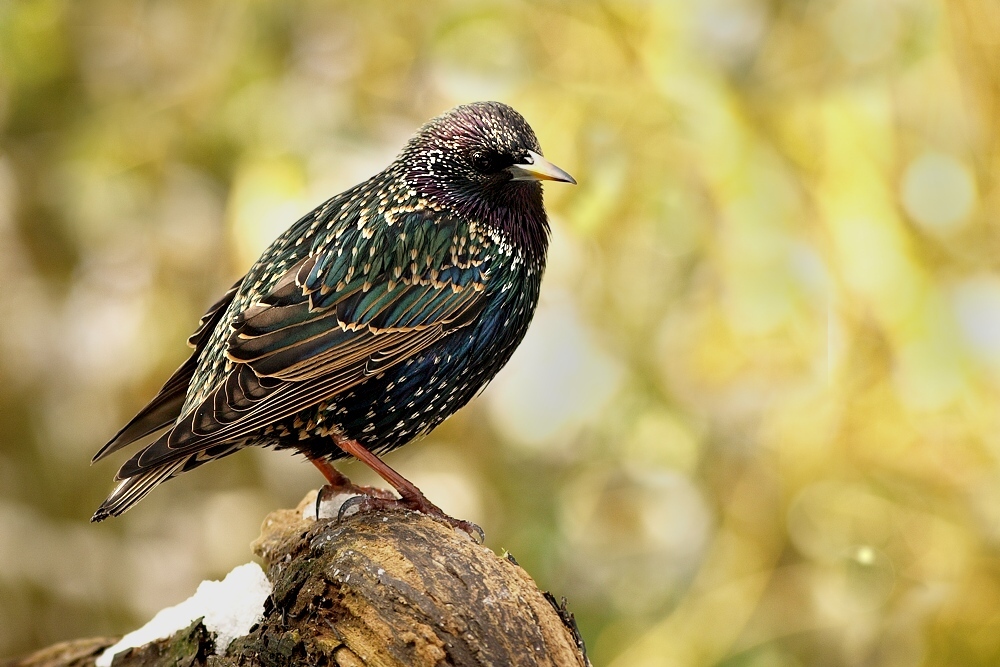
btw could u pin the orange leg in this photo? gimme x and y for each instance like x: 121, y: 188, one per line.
x: 336, y: 479
x: 410, y: 495
x: 338, y: 483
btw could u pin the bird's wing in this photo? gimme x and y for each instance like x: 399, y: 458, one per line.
x: 335, y: 318
x: 164, y: 409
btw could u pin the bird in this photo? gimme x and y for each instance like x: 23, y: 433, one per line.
x: 369, y: 321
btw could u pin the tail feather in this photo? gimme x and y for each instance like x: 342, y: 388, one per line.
x: 133, y: 489
x: 162, y: 412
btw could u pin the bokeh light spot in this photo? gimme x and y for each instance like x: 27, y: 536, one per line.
x: 976, y: 303
x: 938, y: 192
x: 266, y: 197
x: 559, y: 379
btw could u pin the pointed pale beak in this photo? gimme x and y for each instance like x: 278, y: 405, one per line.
x: 536, y: 168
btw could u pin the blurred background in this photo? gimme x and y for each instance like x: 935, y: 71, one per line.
x: 756, y: 420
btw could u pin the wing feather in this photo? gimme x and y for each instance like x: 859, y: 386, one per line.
x: 326, y: 325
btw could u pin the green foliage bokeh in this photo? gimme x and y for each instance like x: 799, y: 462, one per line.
x: 756, y: 419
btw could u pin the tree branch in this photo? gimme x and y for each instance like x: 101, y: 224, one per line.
x: 388, y: 588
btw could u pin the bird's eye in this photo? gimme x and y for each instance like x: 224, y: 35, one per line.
x: 487, y: 163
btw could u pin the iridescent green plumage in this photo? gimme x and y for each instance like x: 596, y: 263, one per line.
x: 372, y: 319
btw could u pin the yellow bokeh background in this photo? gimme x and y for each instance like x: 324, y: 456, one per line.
x: 756, y: 421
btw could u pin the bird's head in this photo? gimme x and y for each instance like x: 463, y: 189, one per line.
x: 482, y: 160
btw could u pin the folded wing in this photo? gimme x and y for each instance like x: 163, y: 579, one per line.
x: 319, y: 332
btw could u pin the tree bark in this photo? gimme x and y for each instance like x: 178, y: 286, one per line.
x: 387, y: 588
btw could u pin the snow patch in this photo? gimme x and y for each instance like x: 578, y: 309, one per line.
x: 229, y: 608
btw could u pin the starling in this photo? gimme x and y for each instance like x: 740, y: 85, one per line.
x: 370, y: 320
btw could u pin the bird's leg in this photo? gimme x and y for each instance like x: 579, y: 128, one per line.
x: 338, y: 483
x: 409, y: 495
x: 335, y: 480
x: 408, y: 492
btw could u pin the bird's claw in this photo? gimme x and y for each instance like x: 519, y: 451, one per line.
x: 473, y: 530
x: 355, y: 491
x: 357, y: 503
x: 366, y: 503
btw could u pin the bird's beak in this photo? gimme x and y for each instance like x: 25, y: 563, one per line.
x: 536, y: 168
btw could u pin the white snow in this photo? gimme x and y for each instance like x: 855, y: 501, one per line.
x: 229, y: 607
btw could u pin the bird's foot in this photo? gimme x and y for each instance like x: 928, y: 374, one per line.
x: 329, y: 492
x: 365, y: 503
